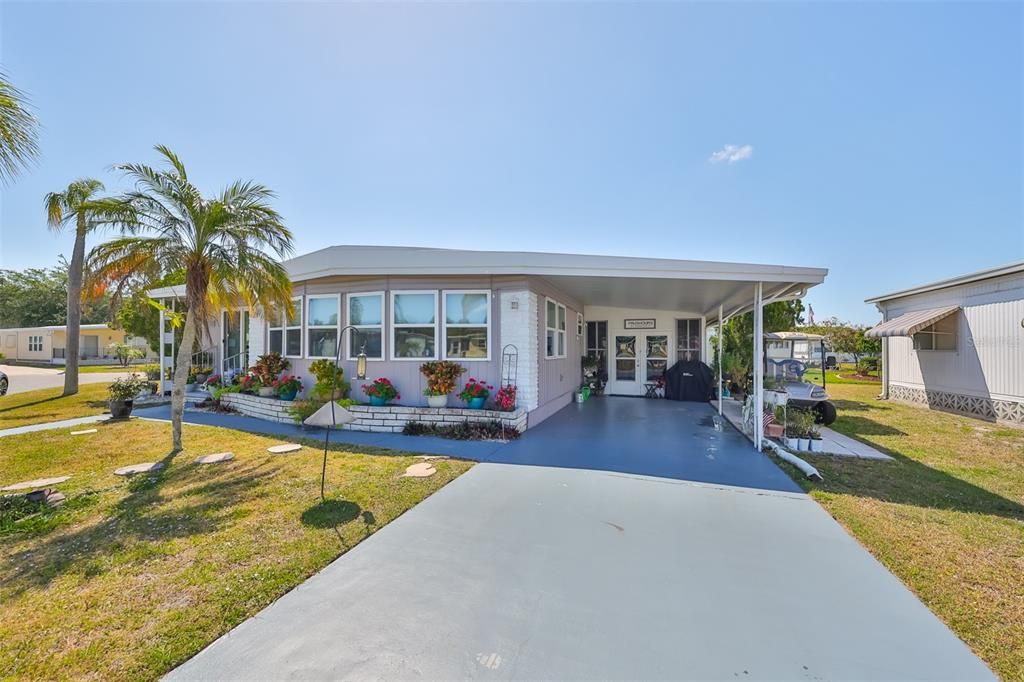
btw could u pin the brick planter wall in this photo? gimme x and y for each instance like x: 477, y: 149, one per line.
x: 387, y: 419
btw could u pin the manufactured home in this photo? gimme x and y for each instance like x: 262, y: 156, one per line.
x: 47, y: 345
x: 957, y: 344
x: 508, y: 317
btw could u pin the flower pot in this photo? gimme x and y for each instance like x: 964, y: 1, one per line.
x: 289, y: 395
x: 437, y: 400
x: 774, y: 430
x: 477, y: 403
x: 266, y: 391
x: 120, y: 409
x: 805, y: 444
x: 815, y: 445
x: 377, y: 401
x: 792, y: 443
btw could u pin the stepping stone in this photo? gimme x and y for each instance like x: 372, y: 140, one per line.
x: 420, y: 470
x: 48, y: 495
x: 82, y: 433
x: 282, y: 449
x: 215, y: 458
x: 37, y: 483
x: 143, y: 468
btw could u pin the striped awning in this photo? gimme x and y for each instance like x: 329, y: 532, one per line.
x: 910, y: 323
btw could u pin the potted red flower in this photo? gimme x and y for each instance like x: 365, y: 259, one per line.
x: 505, y: 398
x: 475, y: 393
x: 287, y: 386
x: 381, y: 391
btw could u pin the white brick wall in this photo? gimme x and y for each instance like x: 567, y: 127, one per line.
x: 390, y: 419
x: 257, y: 338
x: 519, y: 315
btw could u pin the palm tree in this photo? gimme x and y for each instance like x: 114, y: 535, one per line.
x: 18, y: 131
x: 228, y: 247
x: 78, y: 205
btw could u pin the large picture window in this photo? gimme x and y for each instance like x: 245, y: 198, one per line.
x: 467, y: 324
x: 414, y: 325
x: 554, y: 316
x: 322, y: 314
x: 688, y: 340
x: 366, y: 313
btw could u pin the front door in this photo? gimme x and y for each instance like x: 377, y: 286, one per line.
x: 90, y: 346
x: 637, y: 360
x: 234, y: 345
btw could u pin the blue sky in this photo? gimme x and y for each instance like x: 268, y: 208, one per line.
x: 885, y: 140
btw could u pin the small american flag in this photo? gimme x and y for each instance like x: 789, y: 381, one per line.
x: 769, y: 418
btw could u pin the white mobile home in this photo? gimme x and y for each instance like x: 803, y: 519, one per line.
x: 957, y: 344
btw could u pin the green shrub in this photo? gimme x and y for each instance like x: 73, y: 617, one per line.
x: 466, y: 430
x: 868, y: 365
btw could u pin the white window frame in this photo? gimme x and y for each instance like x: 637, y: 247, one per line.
x: 565, y: 342
x: 382, y: 326
x: 445, y: 325
x: 35, y: 344
x: 336, y: 326
x: 275, y: 325
x: 395, y: 326
x: 285, y: 328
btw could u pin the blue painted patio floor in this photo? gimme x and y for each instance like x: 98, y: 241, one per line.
x: 626, y: 435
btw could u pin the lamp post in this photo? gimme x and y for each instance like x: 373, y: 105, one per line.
x: 327, y: 415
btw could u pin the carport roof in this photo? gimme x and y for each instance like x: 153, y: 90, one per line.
x: 660, y: 283
x: 623, y: 281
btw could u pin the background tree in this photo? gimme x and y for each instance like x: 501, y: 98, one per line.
x: 18, y: 131
x: 221, y: 245
x: 38, y: 297
x: 80, y: 206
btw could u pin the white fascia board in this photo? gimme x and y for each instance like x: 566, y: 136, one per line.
x: 176, y: 291
x: 1009, y: 269
x: 380, y: 261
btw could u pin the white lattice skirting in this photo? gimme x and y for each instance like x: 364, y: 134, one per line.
x: 973, y: 406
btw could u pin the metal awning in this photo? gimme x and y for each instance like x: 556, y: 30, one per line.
x: 909, y: 324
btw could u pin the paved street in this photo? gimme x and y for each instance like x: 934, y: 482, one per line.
x: 24, y: 379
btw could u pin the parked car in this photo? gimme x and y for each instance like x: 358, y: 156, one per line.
x: 3, y: 384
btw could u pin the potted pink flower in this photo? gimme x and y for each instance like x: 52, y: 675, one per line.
x: 381, y: 391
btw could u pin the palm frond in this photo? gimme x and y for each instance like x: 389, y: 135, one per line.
x: 19, y: 131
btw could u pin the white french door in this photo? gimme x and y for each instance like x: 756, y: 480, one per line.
x: 636, y: 359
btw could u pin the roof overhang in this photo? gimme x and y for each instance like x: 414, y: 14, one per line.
x: 981, y: 275
x: 656, y: 283
x: 909, y: 324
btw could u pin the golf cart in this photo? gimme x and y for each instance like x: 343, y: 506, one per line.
x: 787, y: 357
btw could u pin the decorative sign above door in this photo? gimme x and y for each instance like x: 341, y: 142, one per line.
x: 640, y: 324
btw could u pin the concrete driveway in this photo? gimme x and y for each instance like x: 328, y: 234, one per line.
x: 23, y: 379
x: 541, y: 572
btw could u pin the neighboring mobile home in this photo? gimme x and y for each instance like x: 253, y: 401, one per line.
x: 47, y: 344
x: 637, y: 315
x: 957, y: 344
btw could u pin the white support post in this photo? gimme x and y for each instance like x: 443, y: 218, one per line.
x: 163, y: 336
x: 721, y: 345
x: 758, y: 366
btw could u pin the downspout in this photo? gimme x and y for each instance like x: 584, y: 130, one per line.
x: 884, y: 395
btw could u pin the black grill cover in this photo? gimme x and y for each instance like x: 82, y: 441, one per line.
x: 692, y: 381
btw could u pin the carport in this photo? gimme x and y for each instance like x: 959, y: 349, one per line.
x: 664, y: 438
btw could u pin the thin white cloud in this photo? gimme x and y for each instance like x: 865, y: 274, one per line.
x: 732, y: 153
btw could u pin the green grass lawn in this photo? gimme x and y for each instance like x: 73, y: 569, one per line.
x: 47, y: 405
x: 846, y: 374
x: 947, y: 516
x: 132, y: 577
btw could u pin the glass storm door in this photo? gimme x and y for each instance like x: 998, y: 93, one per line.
x: 655, y: 356
x: 234, y: 345
x: 624, y: 379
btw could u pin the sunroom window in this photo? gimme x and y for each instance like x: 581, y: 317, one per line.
x: 414, y: 325
x: 366, y: 313
x: 322, y: 326
x: 467, y: 324
x: 554, y: 329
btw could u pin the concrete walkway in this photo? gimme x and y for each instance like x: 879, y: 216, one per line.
x: 524, y: 572
x: 61, y: 424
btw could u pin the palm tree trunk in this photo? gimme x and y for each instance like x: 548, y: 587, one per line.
x: 74, y: 321
x: 182, y: 367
